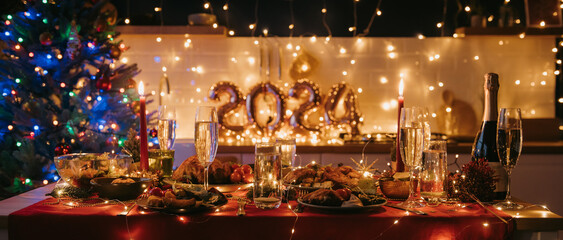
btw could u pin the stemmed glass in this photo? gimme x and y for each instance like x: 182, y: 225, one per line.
x: 509, y: 145
x: 206, y: 138
x: 166, y: 126
x: 411, y: 144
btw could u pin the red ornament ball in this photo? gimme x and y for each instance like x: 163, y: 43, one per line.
x: 62, y: 149
x: 104, y: 83
x: 46, y: 38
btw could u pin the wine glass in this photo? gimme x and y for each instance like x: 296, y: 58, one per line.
x: 166, y: 126
x: 411, y: 145
x: 206, y: 138
x: 509, y: 145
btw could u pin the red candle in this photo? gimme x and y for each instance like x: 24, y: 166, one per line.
x: 400, y: 167
x: 143, y: 129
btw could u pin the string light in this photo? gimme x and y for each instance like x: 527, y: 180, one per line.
x: 420, y: 36
x: 231, y: 33
x: 226, y: 7
x: 251, y: 26
x: 10, y: 127
x: 542, y: 24
x: 127, y: 21
x: 158, y: 39
x: 476, y: 58
x: 206, y: 5
x: 439, y: 25
x: 378, y: 12
x: 517, y: 82
x: 467, y: 9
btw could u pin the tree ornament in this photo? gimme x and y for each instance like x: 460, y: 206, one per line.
x: 131, y: 84
x: 62, y: 149
x: 153, y: 132
x: 100, y: 24
x: 73, y: 44
x: 104, y: 82
x: 114, y: 52
x: 46, y: 38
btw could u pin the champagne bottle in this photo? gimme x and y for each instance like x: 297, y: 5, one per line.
x: 485, y: 141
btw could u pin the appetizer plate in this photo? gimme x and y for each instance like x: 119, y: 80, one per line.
x: 203, y: 207
x: 379, y: 204
x: 224, y: 188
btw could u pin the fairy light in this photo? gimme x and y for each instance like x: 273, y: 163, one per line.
x: 352, y: 61
x: 17, y: 47
x: 59, y: 56
x: 215, y: 25
x: 544, y: 73
x: 560, y: 100
x: 226, y: 7
x: 291, y: 26
x: 127, y: 21
x: 157, y: 9
x: 396, y: 221
x: 420, y: 36
x: 476, y: 58
x: 344, y: 73
x: 448, y: 109
x: 433, y: 115
x: 251, y: 26
x: 543, y: 83
x: 390, y: 47
x: 554, y: 50
x: 158, y: 39
x: 231, y: 33
x: 378, y: 12
x: 517, y: 82
x: 522, y: 35
x: 485, y: 224
x: 323, y: 10
x: 383, y: 80
x: 206, y: 5
x: 164, y: 69
x: 342, y: 50
x: 313, y: 39
x: 467, y: 9
x: 542, y: 24
x: 439, y: 25
x: 440, y: 84
x: 11, y: 127
x: 431, y: 88
x: 124, y: 60
x: 392, y: 55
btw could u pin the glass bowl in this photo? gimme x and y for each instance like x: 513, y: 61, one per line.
x: 78, y: 169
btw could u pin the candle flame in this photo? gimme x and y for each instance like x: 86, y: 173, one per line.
x: 401, y: 87
x: 141, y: 88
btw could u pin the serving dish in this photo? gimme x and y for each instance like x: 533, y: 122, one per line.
x: 121, y: 191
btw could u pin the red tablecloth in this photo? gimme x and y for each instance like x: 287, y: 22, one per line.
x: 42, y: 220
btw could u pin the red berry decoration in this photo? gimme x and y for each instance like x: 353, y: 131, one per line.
x: 62, y: 149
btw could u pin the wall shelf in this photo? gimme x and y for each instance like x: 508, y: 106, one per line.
x: 193, y: 30
x: 475, y: 31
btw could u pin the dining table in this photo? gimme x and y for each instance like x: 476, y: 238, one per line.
x: 94, y: 218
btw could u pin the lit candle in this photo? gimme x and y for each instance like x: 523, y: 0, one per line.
x: 143, y: 129
x: 401, y: 101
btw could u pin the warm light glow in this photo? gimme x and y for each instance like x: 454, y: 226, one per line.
x: 226, y: 7
x: 554, y: 50
x: 206, y: 5
x: 345, y: 73
x: 164, y: 69
x: 522, y: 35
x: 378, y: 12
x: 390, y: 48
x: 231, y: 32
x: 342, y: 50
x: 141, y: 88
x: 476, y: 58
x: 251, y: 26
x: 517, y: 82
x: 542, y: 24
x: 439, y: 25
x: 420, y: 36
x: 383, y: 80
x: 401, y: 87
x: 448, y: 109
x: 440, y: 84
x: 560, y: 100
x: 543, y: 83
x: 127, y: 21
x: 360, y: 90
x: 467, y: 9
x: 55, y: 122
x: 313, y: 39
x: 215, y: 25
x: 544, y: 73
x: 431, y: 88
x: 485, y: 224
x: 158, y: 39
x: 352, y: 61
x: 157, y: 9
x: 323, y: 10
x: 291, y: 26
x: 490, y: 18
x: 392, y: 55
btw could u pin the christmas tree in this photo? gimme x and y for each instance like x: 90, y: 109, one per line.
x: 62, y: 88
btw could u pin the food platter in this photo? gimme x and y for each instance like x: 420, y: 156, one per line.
x: 203, y: 207
x: 379, y: 204
x: 224, y: 188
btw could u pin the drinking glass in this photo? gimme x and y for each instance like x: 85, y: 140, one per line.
x: 206, y: 136
x: 509, y: 145
x: 166, y: 126
x: 433, y: 173
x: 268, y: 176
x: 411, y: 144
x: 287, y: 151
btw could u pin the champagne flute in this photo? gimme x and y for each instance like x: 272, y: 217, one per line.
x: 206, y: 138
x: 166, y: 126
x: 411, y: 145
x: 509, y: 145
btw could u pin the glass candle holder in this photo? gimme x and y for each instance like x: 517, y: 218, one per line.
x: 287, y: 151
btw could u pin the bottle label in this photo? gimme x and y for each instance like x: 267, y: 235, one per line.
x: 500, y: 175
